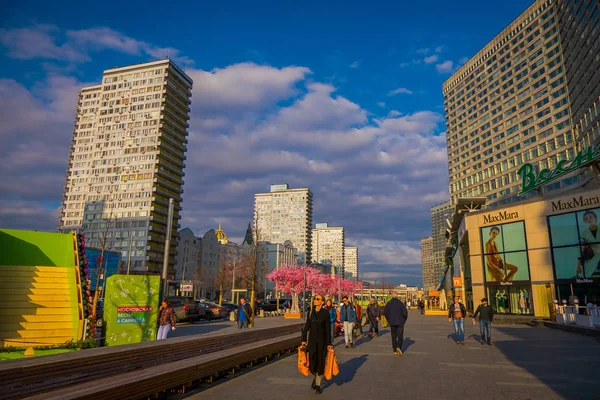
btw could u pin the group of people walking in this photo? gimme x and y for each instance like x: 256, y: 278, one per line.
x: 318, y: 332
x: 457, y: 314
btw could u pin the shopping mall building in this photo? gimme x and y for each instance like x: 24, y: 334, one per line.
x: 524, y: 256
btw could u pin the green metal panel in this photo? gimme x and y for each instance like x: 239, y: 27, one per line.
x: 130, y: 308
x: 31, y: 248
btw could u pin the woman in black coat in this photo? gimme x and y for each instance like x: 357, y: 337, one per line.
x: 319, y: 340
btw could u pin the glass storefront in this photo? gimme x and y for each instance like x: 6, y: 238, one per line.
x: 506, y: 265
x: 514, y: 299
x: 575, y: 245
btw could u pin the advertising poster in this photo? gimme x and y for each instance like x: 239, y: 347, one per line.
x: 505, y: 252
x: 576, y: 245
x: 130, y: 308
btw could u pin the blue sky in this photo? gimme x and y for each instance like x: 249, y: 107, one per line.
x: 343, y: 98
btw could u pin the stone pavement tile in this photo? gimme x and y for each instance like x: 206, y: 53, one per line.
x: 524, y: 363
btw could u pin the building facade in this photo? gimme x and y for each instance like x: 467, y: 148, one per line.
x: 285, y: 214
x: 189, y: 257
x: 209, y: 267
x: 509, y: 105
x: 351, y: 263
x: 126, y: 162
x: 579, y: 29
x: 439, y: 215
x: 328, y: 246
x: 430, y: 280
x: 527, y: 255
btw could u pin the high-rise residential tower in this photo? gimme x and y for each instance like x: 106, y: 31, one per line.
x: 579, y: 30
x: 439, y: 214
x: 427, y: 265
x: 509, y: 105
x: 285, y: 214
x: 351, y: 263
x: 328, y: 246
x: 127, y: 160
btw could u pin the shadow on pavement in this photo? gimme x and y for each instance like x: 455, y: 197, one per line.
x: 199, y: 329
x: 406, y: 343
x: 347, y: 371
x: 568, y: 367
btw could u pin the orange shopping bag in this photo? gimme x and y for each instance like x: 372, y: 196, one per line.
x: 302, y: 361
x: 331, y: 365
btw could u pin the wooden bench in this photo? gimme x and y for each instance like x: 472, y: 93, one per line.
x: 26, y: 377
x: 139, y: 384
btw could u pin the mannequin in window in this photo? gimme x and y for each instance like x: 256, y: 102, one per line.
x: 522, y: 304
x: 588, y: 265
x: 498, y: 270
x: 501, y: 300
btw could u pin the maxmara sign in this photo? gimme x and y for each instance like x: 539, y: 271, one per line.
x: 574, y: 203
x: 530, y: 181
x: 499, y: 217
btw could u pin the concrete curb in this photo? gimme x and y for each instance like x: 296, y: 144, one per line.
x: 593, y: 332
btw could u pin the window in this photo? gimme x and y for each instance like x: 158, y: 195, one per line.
x: 505, y: 252
x: 574, y: 241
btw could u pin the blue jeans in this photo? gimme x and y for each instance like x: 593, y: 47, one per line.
x: 486, y: 331
x: 459, y: 329
x: 163, y: 331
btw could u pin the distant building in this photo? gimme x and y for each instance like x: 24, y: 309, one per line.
x: 189, y: 257
x: 439, y: 215
x: 328, y: 246
x: 285, y: 214
x: 351, y: 263
x: 430, y: 280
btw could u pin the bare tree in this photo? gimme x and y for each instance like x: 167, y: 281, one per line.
x: 224, y: 278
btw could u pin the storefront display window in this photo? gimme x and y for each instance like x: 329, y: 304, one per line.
x: 505, y: 252
x: 511, y: 299
x: 575, y: 240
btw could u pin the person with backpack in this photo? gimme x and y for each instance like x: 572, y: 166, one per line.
x: 358, y: 325
x: 396, y: 313
x: 348, y: 318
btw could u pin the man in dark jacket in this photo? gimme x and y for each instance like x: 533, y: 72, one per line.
x: 396, y: 314
x: 486, y: 315
x: 373, y: 312
x: 244, y: 314
x: 457, y: 313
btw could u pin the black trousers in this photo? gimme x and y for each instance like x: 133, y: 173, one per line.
x: 397, y: 336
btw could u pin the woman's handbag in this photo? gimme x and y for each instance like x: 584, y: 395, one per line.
x: 331, y: 365
x: 303, y: 361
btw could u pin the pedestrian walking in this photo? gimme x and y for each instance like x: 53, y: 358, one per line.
x: 166, y: 320
x: 244, y: 313
x: 348, y: 318
x: 317, y: 331
x: 359, y: 316
x: 486, y: 315
x: 373, y: 313
x: 396, y: 314
x: 457, y: 313
x: 332, y: 317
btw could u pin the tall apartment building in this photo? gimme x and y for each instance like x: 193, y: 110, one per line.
x: 429, y: 278
x: 439, y: 214
x: 509, y: 105
x: 127, y: 159
x: 285, y: 214
x: 328, y: 246
x: 351, y: 263
x: 579, y: 29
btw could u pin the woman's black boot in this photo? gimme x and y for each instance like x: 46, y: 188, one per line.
x: 318, y: 389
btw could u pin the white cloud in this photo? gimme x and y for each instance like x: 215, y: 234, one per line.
x: 41, y: 41
x: 445, y: 67
x: 439, y: 49
x: 404, y: 64
x: 399, y: 91
x: 463, y: 60
x: 244, y: 86
x: 431, y: 59
x: 355, y: 64
x: 381, y: 104
x: 423, y: 51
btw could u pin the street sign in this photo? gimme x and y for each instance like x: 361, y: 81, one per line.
x: 186, y: 287
x: 457, y: 281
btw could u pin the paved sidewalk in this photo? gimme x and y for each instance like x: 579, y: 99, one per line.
x: 524, y: 363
